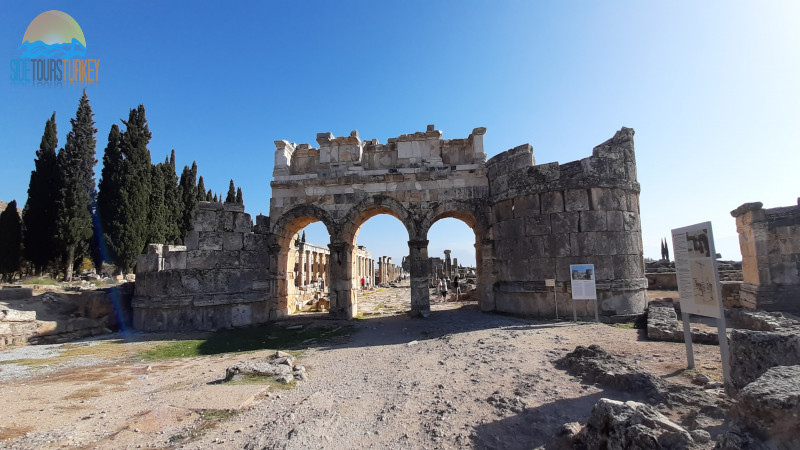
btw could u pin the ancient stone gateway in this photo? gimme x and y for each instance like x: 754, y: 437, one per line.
x: 530, y: 221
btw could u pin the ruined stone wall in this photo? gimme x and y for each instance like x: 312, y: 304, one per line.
x: 220, y: 279
x: 770, y: 243
x: 546, y: 217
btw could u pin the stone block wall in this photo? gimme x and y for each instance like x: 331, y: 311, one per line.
x: 546, y: 217
x: 770, y: 243
x: 219, y: 279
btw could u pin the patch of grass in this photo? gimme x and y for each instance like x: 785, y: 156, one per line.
x: 626, y: 325
x: 13, y: 432
x: 244, y: 340
x: 40, y: 280
x: 82, y: 394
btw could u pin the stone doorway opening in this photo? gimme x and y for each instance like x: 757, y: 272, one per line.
x: 454, y: 254
x: 308, y: 265
x: 380, y: 244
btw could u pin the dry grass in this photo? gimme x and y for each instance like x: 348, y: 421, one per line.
x: 13, y: 432
x: 84, y: 393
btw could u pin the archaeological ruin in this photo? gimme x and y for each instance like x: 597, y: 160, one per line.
x: 770, y: 243
x: 530, y: 223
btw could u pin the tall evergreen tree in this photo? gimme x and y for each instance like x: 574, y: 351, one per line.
x: 109, y: 196
x: 231, y: 198
x: 39, y: 215
x: 210, y: 196
x: 216, y: 199
x: 666, y: 249
x: 135, y: 190
x: 76, y: 174
x: 157, y: 210
x: 10, y: 241
x: 239, y: 198
x: 173, y: 202
x: 201, y: 189
x: 188, y: 193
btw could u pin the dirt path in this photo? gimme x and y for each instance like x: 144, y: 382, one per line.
x: 460, y: 378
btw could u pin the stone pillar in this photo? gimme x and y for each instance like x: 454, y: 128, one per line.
x: 420, y: 268
x: 308, y: 267
x: 344, y: 302
x: 484, y: 272
x: 447, y: 266
x: 301, y: 275
x: 455, y: 267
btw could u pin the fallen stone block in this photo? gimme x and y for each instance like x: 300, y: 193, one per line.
x: 754, y: 352
x: 663, y: 325
x: 770, y: 405
x: 618, y: 425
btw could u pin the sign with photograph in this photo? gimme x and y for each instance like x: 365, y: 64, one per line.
x: 582, y: 281
x: 696, y: 264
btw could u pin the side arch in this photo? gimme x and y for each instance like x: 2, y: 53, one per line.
x: 296, y: 218
x: 475, y: 216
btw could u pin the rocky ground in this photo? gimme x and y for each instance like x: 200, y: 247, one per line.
x: 459, y: 378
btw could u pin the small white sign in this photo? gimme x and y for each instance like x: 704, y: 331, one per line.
x: 550, y: 282
x: 582, y: 281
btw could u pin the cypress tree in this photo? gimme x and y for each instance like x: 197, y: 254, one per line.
x: 666, y: 249
x: 239, y: 199
x: 39, y: 214
x: 231, y: 197
x: 188, y: 193
x: 172, y: 201
x: 216, y: 200
x: 157, y: 210
x: 209, y: 196
x: 201, y: 189
x: 109, y: 197
x: 10, y: 241
x: 135, y: 189
x: 76, y: 175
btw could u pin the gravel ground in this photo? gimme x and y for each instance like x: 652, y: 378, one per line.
x: 459, y: 378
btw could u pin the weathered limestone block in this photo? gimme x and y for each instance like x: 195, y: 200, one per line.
x: 201, y: 259
x: 576, y: 200
x: 631, y: 221
x: 205, y: 220
x: 583, y: 244
x: 13, y: 315
x: 232, y: 241
x: 192, y: 240
x: 753, y: 352
x: 242, y: 222
x: 771, y: 404
x: 552, y: 202
x: 210, y: 240
x: 565, y: 222
x: 537, y: 225
x: 615, y: 221
x: 150, y: 262
x: 615, y: 424
x: 593, y: 221
x: 526, y: 205
x: 174, y: 257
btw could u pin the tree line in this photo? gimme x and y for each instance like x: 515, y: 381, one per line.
x: 68, y: 218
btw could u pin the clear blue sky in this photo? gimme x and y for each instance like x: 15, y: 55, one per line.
x: 712, y: 89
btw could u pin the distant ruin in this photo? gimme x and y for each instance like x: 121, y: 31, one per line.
x: 770, y: 243
x: 530, y: 223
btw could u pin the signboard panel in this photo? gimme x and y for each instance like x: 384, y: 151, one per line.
x: 696, y: 264
x: 583, y: 282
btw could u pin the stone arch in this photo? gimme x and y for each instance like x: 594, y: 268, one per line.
x: 371, y: 207
x: 473, y: 216
x: 284, y: 229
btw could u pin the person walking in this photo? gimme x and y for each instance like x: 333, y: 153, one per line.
x: 456, y: 288
x: 362, y: 283
x: 444, y: 289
